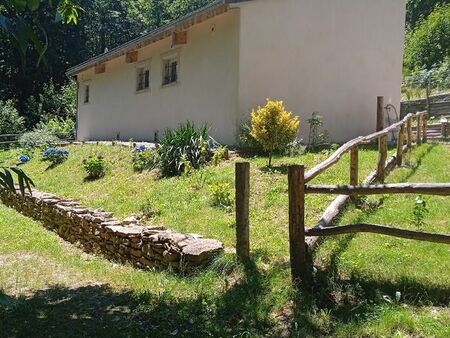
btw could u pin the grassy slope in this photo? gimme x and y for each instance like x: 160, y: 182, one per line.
x: 59, y: 286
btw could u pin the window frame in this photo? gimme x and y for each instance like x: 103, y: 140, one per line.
x: 144, y: 66
x: 170, y: 57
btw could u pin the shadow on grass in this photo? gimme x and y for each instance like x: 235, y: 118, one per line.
x: 99, y: 311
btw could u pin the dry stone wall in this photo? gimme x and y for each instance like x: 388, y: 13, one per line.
x: 127, y: 241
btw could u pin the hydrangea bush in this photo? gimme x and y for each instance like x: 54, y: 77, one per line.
x: 95, y: 167
x: 55, y: 155
x: 24, y: 158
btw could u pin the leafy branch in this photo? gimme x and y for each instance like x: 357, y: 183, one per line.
x: 7, y: 180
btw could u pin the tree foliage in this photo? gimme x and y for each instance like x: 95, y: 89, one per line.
x: 417, y: 10
x: 428, y: 45
x: 273, y: 127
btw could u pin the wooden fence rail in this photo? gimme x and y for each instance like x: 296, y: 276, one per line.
x: 302, y: 240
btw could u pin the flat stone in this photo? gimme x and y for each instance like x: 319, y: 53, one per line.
x: 201, y: 249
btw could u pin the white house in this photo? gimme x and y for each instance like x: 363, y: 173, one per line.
x: 216, y: 64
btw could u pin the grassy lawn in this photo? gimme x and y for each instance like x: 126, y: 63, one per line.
x: 54, y: 289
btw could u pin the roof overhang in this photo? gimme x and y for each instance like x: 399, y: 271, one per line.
x: 217, y: 7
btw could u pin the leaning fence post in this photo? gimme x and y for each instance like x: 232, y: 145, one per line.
x: 409, y: 132
x: 424, y: 127
x: 354, y: 165
x: 419, y: 127
x: 400, y: 141
x: 242, y: 211
x: 382, y: 157
x: 297, y: 245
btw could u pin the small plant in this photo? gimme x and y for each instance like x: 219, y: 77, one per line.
x: 95, y: 167
x: 144, y: 158
x: 62, y: 129
x: 221, y: 195
x: 55, y: 156
x: 317, y: 136
x: 148, y: 210
x: 419, y: 212
x: 246, y: 142
x: 273, y: 127
x: 220, y: 154
x: 183, y: 149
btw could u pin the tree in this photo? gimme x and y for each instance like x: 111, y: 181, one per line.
x: 429, y: 44
x: 273, y: 127
x: 417, y: 10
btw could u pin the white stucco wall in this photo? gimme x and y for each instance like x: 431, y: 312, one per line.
x: 206, y: 90
x: 331, y: 56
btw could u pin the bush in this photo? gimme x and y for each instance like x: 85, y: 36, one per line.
x: 55, y: 155
x: 221, y: 195
x: 62, y: 129
x: 23, y: 158
x: 10, y: 121
x: 39, y: 138
x: 273, y: 127
x: 95, y: 167
x: 144, y: 158
x: 220, y: 154
x: 184, y: 149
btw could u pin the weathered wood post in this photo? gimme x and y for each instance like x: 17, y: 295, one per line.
x: 382, y: 157
x: 400, y: 141
x: 380, y: 113
x: 424, y: 127
x: 242, y: 211
x: 444, y: 128
x: 297, y: 245
x: 409, y: 132
x: 419, y: 127
x: 354, y: 166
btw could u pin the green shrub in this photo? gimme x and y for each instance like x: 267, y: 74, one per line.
x: 183, y: 149
x: 144, y: 158
x: 62, y: 129
x: 39, y: 138
x: 273, y: 127
x: 95, y: 167
x: 10, y: 121
x: 221, y: 195
x: 220, y: 154
x: 148, y: 210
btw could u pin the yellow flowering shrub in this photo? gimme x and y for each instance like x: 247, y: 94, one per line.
x: 273, y: 127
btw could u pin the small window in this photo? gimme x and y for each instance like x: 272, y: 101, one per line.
x: 170, y: 70
x: 142, y: 78
x: 87, y: 89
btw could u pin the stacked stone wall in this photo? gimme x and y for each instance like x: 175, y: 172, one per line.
x: 128, y: 241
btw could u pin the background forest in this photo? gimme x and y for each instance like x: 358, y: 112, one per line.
x: 33, y: 94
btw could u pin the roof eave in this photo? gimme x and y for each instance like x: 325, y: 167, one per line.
x: 155, y: 35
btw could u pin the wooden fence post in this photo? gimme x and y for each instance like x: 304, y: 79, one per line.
x: 400, y: 141
x: 382, y: 157
x: 297, y: 245
x: 242, y: 211
x: 424, y: 128
x: 419, y: 127
x: 409, y: 132
x: 380, y: 113
x: 444, y: 128
x: 354, y: 166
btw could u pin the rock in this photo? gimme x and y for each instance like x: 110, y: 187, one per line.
x: 200, y: 250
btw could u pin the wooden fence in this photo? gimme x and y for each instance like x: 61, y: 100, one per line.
x: 302, y: 240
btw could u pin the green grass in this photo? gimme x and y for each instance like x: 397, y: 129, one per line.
x: 55, y: 289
